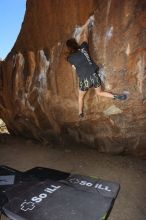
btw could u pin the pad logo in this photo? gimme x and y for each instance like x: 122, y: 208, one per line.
x: 89, y: 184
x: 25, y: 206
x: 29, y: 206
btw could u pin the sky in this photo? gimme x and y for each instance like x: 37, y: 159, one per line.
x: 11, y: 17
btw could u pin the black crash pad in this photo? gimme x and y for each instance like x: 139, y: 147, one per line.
x: 75, y: 197
x: 43, y: 173
x: 9, y: 179
x: 12, y: 181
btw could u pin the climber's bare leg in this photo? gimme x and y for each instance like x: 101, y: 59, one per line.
x: 81, y: 101
x: 99, y: 92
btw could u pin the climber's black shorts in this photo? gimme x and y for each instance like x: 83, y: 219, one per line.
x: 93, y: 81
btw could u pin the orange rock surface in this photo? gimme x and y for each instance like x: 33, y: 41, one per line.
x: 39, y: 91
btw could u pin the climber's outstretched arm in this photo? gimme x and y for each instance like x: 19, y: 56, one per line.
x: 85, y: 33
x: 86, y: 29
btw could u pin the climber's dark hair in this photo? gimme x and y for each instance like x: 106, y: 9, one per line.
x: 72, y: 46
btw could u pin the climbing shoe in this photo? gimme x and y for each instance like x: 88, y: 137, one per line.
x: 81, y: 115
x: 120, y: 97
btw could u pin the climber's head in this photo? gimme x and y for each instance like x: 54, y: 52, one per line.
x: 72, y: 45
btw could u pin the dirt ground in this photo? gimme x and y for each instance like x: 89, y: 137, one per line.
x: 129, y: 171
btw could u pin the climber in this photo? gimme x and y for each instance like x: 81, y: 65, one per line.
x: 87, y: 70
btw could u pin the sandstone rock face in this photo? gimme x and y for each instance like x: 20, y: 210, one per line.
x: 3, y: 128
x: 39, y: 91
